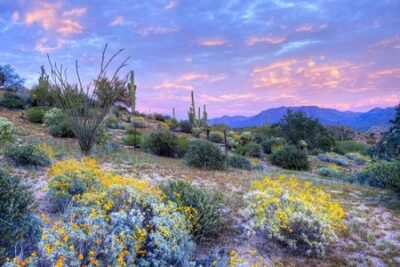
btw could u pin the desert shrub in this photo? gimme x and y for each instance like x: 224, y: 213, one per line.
x: 18, y: 227
x: 334, y: 158
x: 381, y: 174
x: 35, y: 114
x: 133, y: 139
x: 246, y: 137
x: 184, y: 127
x: 135, y: 225
x: 196, y: 131
x: 161, y: 143
x: 296, y: 213
x: 239, y: 162
x: 114, y: 123
x: 57, y: 124
x: 329, y: 171
x: 204, y: 154
x: 216, y: 137
x: 161, y: 117
x: 290, y: 157
x: 138, y: 122
x: 201, y: 206
x: 7, y: 129
x: 250, y: 150
x: 12, y: 101
x: 182, y: 146
x: 348, y: 146
x: 29, y: 154
x: 357, y: 158
x: 269, y: 145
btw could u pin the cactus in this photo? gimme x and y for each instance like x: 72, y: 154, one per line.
x: 192, y: 112
x: 205, y: 116
x: 132, y: 92
x: 173, y: 113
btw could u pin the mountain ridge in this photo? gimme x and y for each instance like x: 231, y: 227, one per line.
x: 360, y: 121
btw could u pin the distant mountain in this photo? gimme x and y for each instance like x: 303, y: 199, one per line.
x: 360, y: 121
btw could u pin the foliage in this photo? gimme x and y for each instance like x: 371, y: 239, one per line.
x: 201, y: 206
x: 40, y: 94
x: 348, y: 146
x: 184, y: 127
x: 57, y: 123
x: 138, y: 122
x: 124, y: 222
x: 7, y: 129
x: 290, y: 157
x: 342, y: 133
x: 85, y: 107
x: 12, y: 101
x: 30, y: 154
x: 271, y: 144
x: 357, y: 158
x: 205, y: 155
x: 301, y: 216
x: 9, y: 79
x: 133, y: 139
x: 239, y: 162
x: 182, y: 146
x: 246, y: 137
x: 389, y: 147
x: 329, y: 171
x: 250, y: 150
x: 114, y: 123
x: 333, y: 158
x: 196, y: 131
x: 216, y: 137
x: 381, y: 174
x: 162, y: 143
x: 296, y: 126
x: 17, y: 227
x: 35, y: 114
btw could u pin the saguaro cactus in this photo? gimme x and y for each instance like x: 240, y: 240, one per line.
x: 192, y: 112
x: 173, y: 113
x: 132, y: 92
x: 205, y: 116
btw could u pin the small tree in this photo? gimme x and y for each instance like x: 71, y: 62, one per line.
x: 85, y: 107
x: 9, y: 79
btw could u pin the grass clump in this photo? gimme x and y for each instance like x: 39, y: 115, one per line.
x: 29, y: 154
x: 291, y: 158
x: 205, y: 155
x: 201, y: 206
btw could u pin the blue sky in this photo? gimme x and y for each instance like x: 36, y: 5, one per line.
x: 239, y: 57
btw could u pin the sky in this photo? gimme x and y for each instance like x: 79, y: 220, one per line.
x: 238, y: 56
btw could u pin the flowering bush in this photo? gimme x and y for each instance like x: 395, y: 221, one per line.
x: 7, y: 129
x: 115, y: 221
x: 30, y: 154
x: 296, y: 213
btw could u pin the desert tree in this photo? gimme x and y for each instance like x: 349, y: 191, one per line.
x: 86, y: 106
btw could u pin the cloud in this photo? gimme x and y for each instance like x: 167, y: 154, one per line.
x: 211, y: 41
x: 265, y: 40
x: 295, y: 45
x: 15, y: 16
x: 156, y: 30
x: 50, y: 17
x: 171, y: 4
x: 310, y: 28
x: 387, y: 73
x: 172, y: 85
x: 118, y: 21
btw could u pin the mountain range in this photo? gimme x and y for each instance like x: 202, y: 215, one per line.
x: 360, y: 121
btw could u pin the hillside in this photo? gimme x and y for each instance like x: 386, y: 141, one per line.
x: 360, y: 121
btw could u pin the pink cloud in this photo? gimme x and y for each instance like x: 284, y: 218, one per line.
x: 118, y: 21
x: 171, y: 4
x: 211, y: 41
x: 265, y: 40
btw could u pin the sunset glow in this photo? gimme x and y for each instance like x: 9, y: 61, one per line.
x: 239, y: 57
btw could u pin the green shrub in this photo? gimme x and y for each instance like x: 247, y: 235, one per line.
x: 196, y: 131
x: 334, y: 158
x: 250, y: 150
x: 271, y: 144
x: 204, y: 154
x: 57, y: 124
x: 35, y: 114
x: 18, y: 228
x: 133, y: 139
x: 161, y: 143
x: 182, y: 146
x: 201, y: 206
x: 7, y: 129
x: 29, y: 154
x: 12, y: 101
x: 138, y: 122
x: 246, y: 137
x: 291, y: 158
x: 114, y: 123
x: 348, y: 146
x: 329, y: 171
x: 216, y: 137
x: 239, y: 162
x: 184, y: 127
x: 381, y: 174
